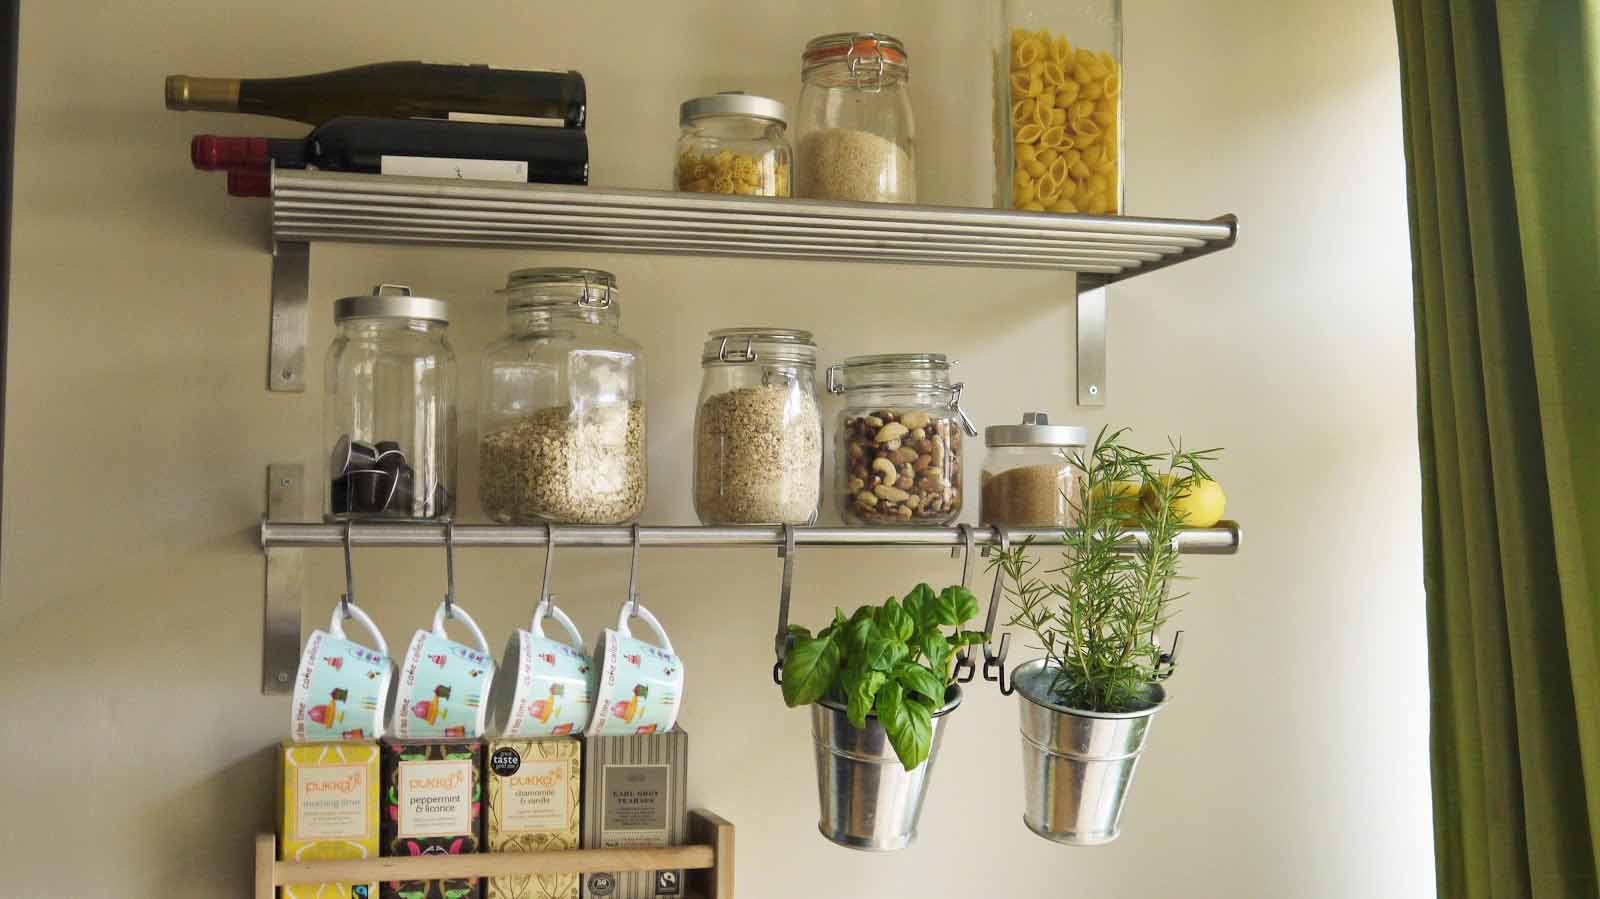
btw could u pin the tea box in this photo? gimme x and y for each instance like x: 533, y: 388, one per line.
x: 634, y: 797
x: 328, y: 809
x: 535, y: 788
x: 432, y: 805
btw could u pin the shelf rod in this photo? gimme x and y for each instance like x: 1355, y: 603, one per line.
x: 1221, y: 540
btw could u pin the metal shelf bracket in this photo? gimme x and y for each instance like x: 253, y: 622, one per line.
x: 291, y: 278
x: 286, y: 576
x: 1091, y: 343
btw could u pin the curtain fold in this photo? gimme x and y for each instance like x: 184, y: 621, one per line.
x: 1502, y: 124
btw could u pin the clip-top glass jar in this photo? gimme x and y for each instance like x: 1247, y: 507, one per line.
x: 898, y: 453
x: 1030, y: 473
x: 1058, y: 109
x: 561, y: 418
x: 389, y: 413
x: 758, y: 429
x: 734, y: 143
x: 855, y: 139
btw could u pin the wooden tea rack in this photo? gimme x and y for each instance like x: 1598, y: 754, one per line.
x: 707, y: 861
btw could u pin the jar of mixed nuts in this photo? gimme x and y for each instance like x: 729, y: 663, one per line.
x: 734, y: 143
x: 758, y: 430
x: 898, y: 452
x: 561, y: 405
x: 1030, y: 473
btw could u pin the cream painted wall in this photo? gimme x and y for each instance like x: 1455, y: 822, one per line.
x: 1293, y: 759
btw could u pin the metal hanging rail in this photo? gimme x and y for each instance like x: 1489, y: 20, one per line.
x: 310, y: 206
x: 1220, y: 540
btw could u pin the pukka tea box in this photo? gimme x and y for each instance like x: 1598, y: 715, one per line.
x: 535, y: 789
x: 432, y: 805
x: 634, y: 796
x: 328, y: 809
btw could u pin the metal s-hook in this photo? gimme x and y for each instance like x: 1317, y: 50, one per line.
x: 633, y: 573
x: 965, y: 669
x: 450, y: 569
x: 781, y: 642
x: 349, y: 597
x: 1167, y: 662
x: 549, y: 558
x: 994, y: 663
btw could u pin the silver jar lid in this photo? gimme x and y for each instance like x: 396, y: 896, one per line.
x: 744, y: 346
x: 398, y: 303
x: 732, y: 103
x: 528, y: 287
x: 1035, y: 430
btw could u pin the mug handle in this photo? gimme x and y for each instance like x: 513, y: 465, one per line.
x: 472, y: 626
x: 336, y: 626
x: 643, y: 614
x: 561, y: 618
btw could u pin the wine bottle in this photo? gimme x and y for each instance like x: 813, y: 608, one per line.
x: 410, y: 147
x: 400, y: 90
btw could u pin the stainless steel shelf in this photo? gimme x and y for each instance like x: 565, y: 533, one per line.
x: 311, y: 206
x: 315, y: 206
x: 1220, y: 540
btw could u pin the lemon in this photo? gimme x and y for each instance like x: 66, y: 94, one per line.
x: 1199, y: 506
x: 1124, y: 498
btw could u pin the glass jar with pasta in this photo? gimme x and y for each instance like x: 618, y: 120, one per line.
x: 734, y: 143
x: 1058, y: 106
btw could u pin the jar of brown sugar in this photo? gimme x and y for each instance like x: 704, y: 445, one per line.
x: 1030, y: 476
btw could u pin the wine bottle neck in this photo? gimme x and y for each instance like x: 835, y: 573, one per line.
x: 188, y: 92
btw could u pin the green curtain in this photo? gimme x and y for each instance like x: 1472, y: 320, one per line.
x: 1502, y: 132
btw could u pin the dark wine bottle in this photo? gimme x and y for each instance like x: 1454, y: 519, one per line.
x: 399, y: 90
x: 410, y: 147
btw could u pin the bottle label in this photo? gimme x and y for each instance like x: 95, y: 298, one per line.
x: 464, y: 169
x: 491, y: 118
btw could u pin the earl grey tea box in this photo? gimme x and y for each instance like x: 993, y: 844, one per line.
x: 634, y: 796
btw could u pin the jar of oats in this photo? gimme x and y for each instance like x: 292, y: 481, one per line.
x: 561, y: 418
x: 758, y: 429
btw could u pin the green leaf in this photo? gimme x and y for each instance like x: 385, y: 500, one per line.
x: 883, y: 653
x: 966, y: 638
x: 935, y: 650
x: 894, y: 623
x: 919, y: 604
x: 919, y: 679
x: 956, y: 606
x: 856, y: 637
x: 809, y: 670
x: 908, y: 723
x: 865, y: 613
x: 862, y: 693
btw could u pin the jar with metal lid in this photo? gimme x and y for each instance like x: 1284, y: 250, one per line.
x: 1030, y: 473
x: 389, y: 412
x: 561, y: 417
x: 898, y: 451
x: 734, y: 143
x: 758, y: 429
x: 855, y: 138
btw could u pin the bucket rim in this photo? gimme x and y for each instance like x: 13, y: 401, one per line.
x: 1157, y: 692
x: 952, y: 699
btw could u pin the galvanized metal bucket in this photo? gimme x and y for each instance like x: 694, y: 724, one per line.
x: 869, y: 800
x: 1077, y: 766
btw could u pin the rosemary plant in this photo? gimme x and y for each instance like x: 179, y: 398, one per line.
x: 1096, y: 615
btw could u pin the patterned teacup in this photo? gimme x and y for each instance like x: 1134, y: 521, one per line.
x: 640, y: 687
x: 342, y: 686
x: 444, y: 685
x: 544, y: 685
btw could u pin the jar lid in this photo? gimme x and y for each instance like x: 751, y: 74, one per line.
x: 400, y: 303
x: 732, y: 103
x: 900, y: 371
x: 743, y: 346
x: 1035, y: 430
x: 849, y: 46
x: 592, y: 287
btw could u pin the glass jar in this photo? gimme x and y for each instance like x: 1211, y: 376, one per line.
x: 561, y: 418
x: 1058, y: 106
x: 758, y: 429
x: 897, y: 457
x: 854, y: 132
x: 389, y: 411
x: 1030, y: 474
x: 734, y: 143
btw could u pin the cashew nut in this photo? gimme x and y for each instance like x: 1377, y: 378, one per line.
x: 894, y: 430
x: 886, y: 468
x: 891, y: 493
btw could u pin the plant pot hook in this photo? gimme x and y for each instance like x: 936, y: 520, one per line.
x: 1167, y: 662
x: 782, y: 641
x: 965, y: 669
x: 994, y: 663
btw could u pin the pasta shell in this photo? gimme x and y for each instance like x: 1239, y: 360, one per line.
x: 1053, y: 136
x: 1058, y: 116
x: 1054, y: 75
x: 1112, y: 86
x: 1029, y: 134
